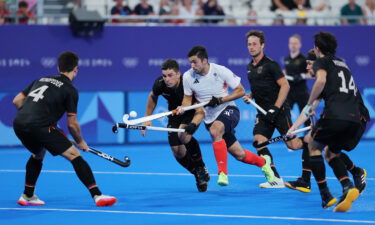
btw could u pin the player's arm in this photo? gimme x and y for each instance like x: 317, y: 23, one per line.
x: 302, y: 118
x: 19, y: 100
x: 186, y: 101
x: 321, y: 78
x: 75, y: 131
x: 152, y: 101
x: 283, y: 92
x: 238, y: 92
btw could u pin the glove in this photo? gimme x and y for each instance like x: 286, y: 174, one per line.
x: 272, y: 114
x: 191, y: 128
x: 214, y: 102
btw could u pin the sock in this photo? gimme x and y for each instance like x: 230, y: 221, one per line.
x: 195, y: 152
x: 265, y: 151
x: 349, y: 164
x: 84, y: 173
x: 253, y: 159
x: 186, y: 162
x: 319, y: 170
x: 221, y: 156
x: 339, y: 170
x: 306, y: 165
x: 33, y: 168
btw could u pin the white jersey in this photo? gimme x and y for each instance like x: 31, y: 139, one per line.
x: 214, y: 83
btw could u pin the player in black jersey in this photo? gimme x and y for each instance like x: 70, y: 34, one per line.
x: 269, y: 88
x: 185, y: 147
x: 40, y: 106
x: 340, y: 123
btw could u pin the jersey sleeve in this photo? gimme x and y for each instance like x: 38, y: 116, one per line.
x: 27, y: 90
x: 275, y: 70
x: 187, y: 88
x: 71, y: 102
x: 157, y: 87
x: 229, y: 77
x: 319, y: 64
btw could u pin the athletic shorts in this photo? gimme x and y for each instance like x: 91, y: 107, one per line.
x: 265, y: 128
x: 337, y: 134
x: 230, y: 117
x: 175, y: 122
x: 35, y: 139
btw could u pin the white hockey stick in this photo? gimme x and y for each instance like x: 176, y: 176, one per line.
x: 141, y: 127
x: 257, y: 106
x: 126, y: 120
x: 279, y: 138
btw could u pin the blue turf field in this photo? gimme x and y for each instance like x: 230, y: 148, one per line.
x: 156, y: 190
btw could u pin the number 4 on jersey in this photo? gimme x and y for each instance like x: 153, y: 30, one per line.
x: 38, y: 93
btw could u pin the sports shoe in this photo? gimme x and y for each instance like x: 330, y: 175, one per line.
x: 34, y: 200
x: 267, y: 170
x: 360, y: 180
x: 300, y: 185
x: 327, y: 198
x: 202, y: 177
x: 104, y: 200
x: 277, y: 183
x: 223, y: 179
x: 350, y: 194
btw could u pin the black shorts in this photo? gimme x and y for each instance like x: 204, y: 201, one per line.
x: 36, y: 138
x: 265, y: 128
x: 175, y: 122
x: 230, y: 117
x: 337, y: 134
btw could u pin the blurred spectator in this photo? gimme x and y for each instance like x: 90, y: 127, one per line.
x: 164, y: 8
x: 24, y: 16
x: 119, y: 9
x: 351, y: 9
x: 279, y: 20
x: 4, y: 13
x: 175, y: 12
x: 212, y: 8
x: 252, y: 21
x: 287, y: 5
x: 189, y: 11
x: 143, y: 8
x: 369, y: 12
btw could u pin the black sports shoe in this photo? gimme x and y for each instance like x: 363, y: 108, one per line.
x: 300, y: 185
x: 360, y: 180
x: 202, y: 177
x: 327, y: 198
x: 350, y: 194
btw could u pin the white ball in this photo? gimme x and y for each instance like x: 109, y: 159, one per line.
x: 133, y: 114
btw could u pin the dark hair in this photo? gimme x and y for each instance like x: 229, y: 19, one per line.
x: 198, y: 51
x: 67, y: 61
x: 326, y: 42
x: 311, y: 55
x: 23, y: 4
x: 170, y: 64
x: 257, y: 33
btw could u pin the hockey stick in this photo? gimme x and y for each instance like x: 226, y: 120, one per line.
x: 126, y: 120
x: 257, y: 106
x: 110, y: 158
x: 141, y: 127
x: 279, y: 138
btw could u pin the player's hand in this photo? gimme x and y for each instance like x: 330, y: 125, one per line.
x: 148, y: 123
x: 272, y: 114
x: 307, y: 110
x: 289, y: 133
x: 191, y: 128
x: 83, y: 146
x: 214, y: 102
x: 246, y: 98
x: 178, y: 111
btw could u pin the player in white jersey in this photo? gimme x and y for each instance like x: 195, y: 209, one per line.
x: 210, y: 82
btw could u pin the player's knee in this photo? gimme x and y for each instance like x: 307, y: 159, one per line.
x: 40, y: 155
x: 71, y: 153
x: 294, y: 144
x: 184, y: 138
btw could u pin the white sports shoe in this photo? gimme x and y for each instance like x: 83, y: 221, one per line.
x: 277, y: 183
x: 25, y: 201
x: 104, y: 200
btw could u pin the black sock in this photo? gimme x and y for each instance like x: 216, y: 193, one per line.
x: 319, y: 170
x: 186, y: 162
x: 265, y: 151
x: 339, y: 170
x: 195, y: 152
x: 84, y: 173
x: 33, y: 168
x: 306, y: 165
x: 349, y: 164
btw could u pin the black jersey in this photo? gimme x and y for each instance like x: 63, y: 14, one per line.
x: 47, y: 99
x: 294, y: 67
x: 340, y: 93
x: 263, y: 81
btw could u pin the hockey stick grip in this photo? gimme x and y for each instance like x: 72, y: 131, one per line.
x: 279, y: 138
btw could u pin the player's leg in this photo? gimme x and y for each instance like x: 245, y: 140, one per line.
x: 359, y: 174
x: 33, y: 166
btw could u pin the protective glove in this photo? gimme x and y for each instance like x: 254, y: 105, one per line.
x: 191, y: 128
x: 214, y: 102
x: 272, y: 114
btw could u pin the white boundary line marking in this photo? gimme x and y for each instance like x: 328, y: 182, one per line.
x: 193, y: 214
x: 149, y: 173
